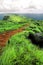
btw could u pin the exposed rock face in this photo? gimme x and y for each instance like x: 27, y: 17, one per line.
x: 36, y: 39
x: 5, y: 17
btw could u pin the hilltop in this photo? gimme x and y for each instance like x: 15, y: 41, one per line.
x: 15, y: 21
x: 19, y: 50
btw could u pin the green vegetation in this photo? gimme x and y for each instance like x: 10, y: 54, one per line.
x: 20, y: 50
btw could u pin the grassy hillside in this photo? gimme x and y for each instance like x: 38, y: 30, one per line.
x: 20, y: 50
x: 12, y: 22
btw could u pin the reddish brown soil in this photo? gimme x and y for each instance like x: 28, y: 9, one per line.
x: 4, y: 37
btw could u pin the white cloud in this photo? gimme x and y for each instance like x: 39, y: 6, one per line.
x: 21, y: 6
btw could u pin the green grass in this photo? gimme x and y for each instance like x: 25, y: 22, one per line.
x: 20, y: 50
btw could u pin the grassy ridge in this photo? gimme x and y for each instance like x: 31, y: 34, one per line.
x: 19, y: 50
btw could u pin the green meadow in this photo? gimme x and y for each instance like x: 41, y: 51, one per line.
x: 20, y: 50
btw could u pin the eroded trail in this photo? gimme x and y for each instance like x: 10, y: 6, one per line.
x: 4, y: 37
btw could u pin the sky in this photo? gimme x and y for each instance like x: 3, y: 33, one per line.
x: 21, y: 6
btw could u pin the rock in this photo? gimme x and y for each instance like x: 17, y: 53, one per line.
x: 36, y: 39
x: 6, y: 17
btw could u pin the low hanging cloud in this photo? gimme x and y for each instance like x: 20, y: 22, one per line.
x: 21, y: 6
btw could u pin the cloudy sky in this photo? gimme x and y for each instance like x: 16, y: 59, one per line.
x: 21, y: 6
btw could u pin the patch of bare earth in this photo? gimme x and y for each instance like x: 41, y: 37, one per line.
x: 4, y: 37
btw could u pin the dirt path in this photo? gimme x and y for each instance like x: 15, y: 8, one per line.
x: 4, y: 37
